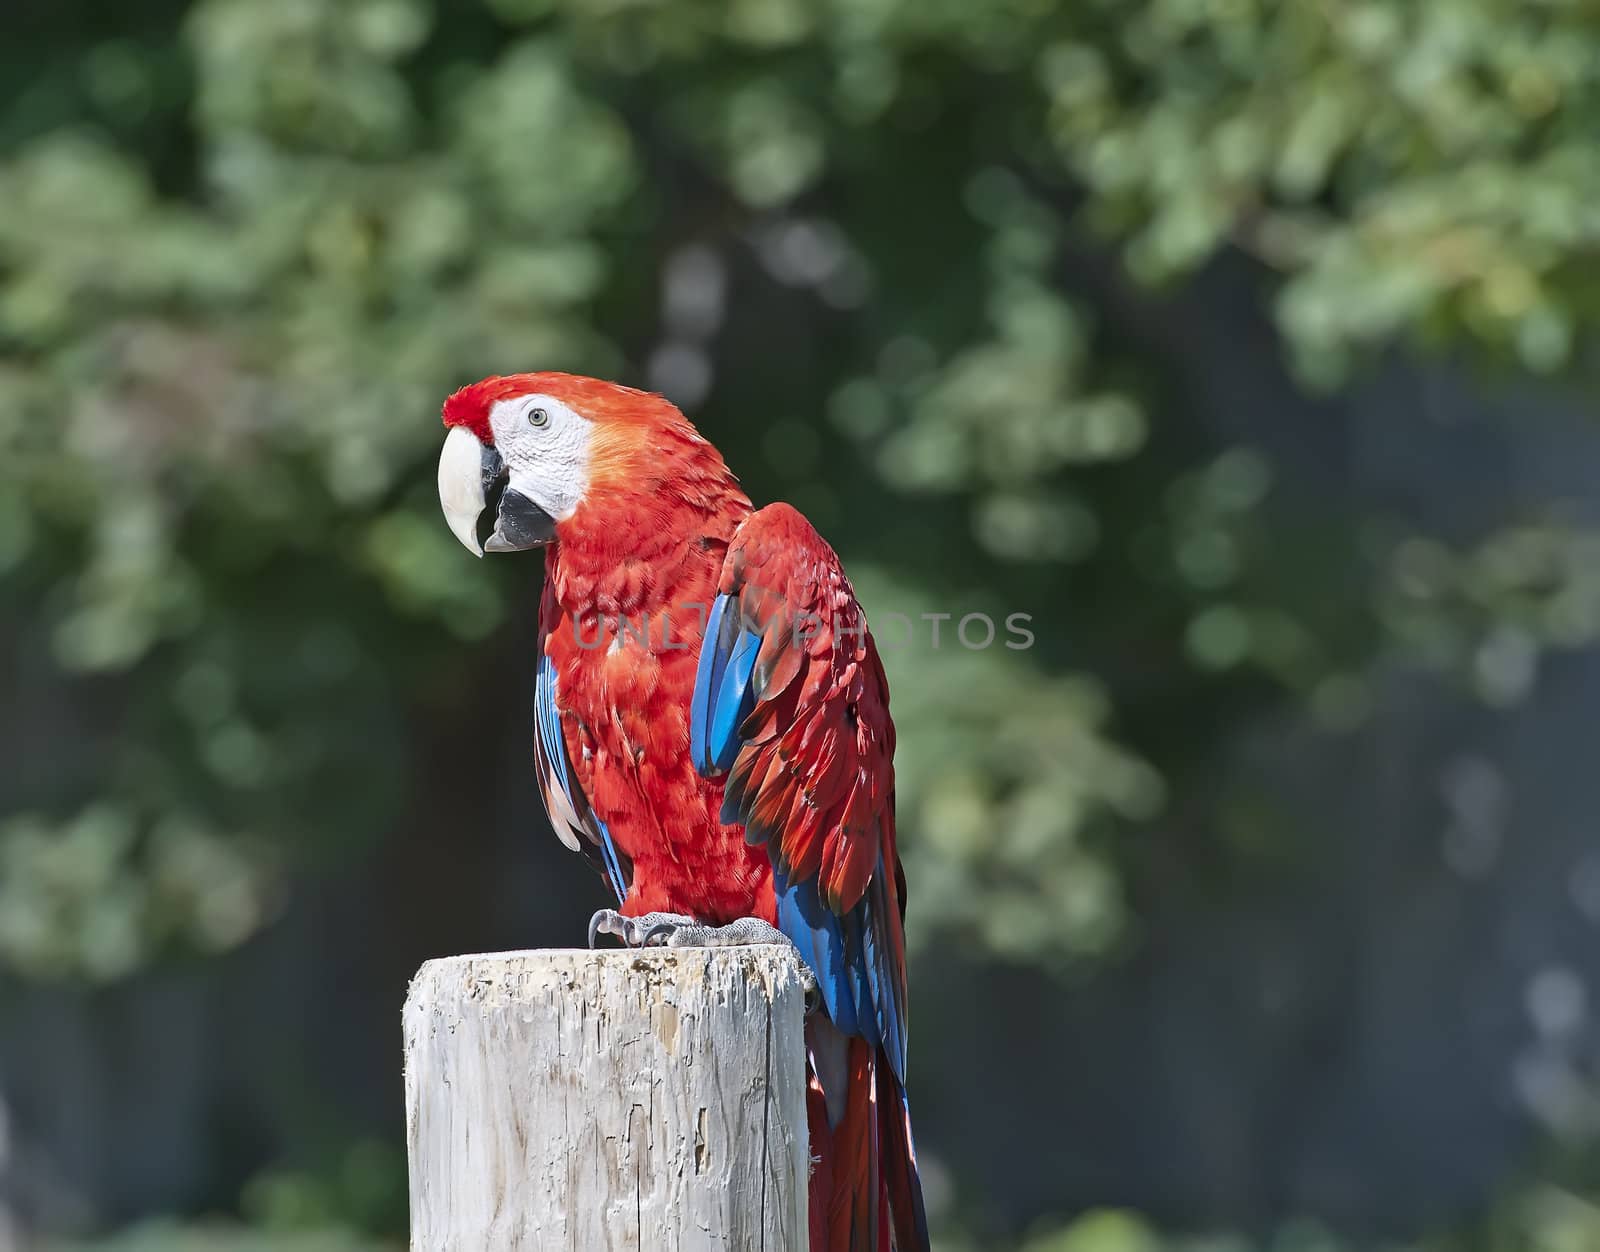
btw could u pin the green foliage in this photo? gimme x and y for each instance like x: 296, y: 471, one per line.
x: 362, y: 1188
x: 94, y: 895
x: 1006, y: 783
x: 1490, y: 611
x: 1399, y: 163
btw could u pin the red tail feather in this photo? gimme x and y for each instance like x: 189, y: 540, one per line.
x: 865, y: 1195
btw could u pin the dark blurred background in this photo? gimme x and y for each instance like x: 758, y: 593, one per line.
x: 1242, y: 345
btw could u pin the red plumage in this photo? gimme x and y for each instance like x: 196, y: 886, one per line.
x: 661, y: 530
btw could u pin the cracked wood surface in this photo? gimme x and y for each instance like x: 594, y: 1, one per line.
x: 607, y: 1100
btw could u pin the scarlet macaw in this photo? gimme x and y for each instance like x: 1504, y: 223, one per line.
x: 713, y: 732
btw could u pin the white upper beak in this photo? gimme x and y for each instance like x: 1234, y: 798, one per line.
x: 461, y: 486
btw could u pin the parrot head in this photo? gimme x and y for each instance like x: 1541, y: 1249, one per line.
x: 546, y: 452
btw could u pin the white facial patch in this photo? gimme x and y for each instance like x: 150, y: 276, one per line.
x: 545, y: 446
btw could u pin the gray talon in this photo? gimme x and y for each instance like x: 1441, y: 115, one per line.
x: 595, y: 923
x: 662, y: 930
x: 637, y: 932
x: 675, y: 930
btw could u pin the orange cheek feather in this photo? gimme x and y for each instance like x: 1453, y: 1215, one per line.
x: 612, y: 452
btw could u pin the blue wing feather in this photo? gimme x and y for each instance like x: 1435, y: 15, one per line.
x: 613, y: 869
x: 881, y: 975
x: 723, y: 691
x: 553, y: 750
x: 736, y: 699
x: 707, y: 681
x: 820, y: 936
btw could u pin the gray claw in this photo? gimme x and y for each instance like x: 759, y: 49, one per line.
x: 675, y: 930
x: 601, y: 917
x: 662, y: 930
x: 637, y: 932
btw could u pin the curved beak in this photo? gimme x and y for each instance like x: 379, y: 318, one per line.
x: 472, y: 479
x: 467, y: 474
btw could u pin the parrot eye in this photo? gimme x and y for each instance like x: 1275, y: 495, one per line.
x: 539, y: 417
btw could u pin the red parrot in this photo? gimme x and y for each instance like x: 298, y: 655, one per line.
x: 713, y: 733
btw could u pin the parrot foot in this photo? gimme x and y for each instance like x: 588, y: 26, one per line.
x: 675, y: 930
x: 635, y: 932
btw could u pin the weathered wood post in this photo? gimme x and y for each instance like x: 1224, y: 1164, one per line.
x: 629, y: 1100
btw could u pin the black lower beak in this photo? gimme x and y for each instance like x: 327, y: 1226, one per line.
x: 519, y: 523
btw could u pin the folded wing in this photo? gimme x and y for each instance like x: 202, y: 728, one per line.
x: 790, y: 702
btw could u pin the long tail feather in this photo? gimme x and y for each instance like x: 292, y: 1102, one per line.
x: 866, y: 1195
x: 902, y: 1184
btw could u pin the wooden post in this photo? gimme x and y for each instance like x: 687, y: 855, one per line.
x: 629, y: 1100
